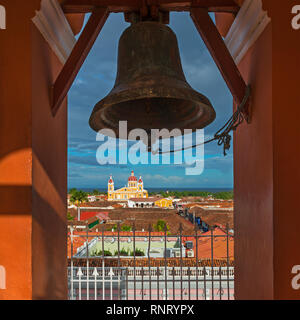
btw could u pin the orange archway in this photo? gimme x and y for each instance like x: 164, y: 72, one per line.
x: 33, y: 161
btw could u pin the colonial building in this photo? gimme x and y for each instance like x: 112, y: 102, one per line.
x: 164, y: 203
x: 134, y: 189
x: 150, y: 202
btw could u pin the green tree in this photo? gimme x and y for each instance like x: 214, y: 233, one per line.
x: 226, y: 195
x: 125, y: 227
x: 72, y: 190
x: 70, y: 217
x: 96, y: 192
x: 79, y: 197
x: 160, y: 225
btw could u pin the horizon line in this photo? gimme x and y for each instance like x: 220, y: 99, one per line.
x: 105, y: 187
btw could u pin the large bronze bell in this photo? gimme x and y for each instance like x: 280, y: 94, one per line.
x: 151, y: 91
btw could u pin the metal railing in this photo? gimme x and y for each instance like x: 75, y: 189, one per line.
x: 155, y: 266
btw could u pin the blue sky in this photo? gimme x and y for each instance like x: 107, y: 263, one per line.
x: 95, y: 80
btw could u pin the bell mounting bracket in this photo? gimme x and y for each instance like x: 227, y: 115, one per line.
x: 157, y: 10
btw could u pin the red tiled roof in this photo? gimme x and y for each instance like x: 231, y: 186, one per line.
x: 102, y: 215
x: 85, y: 215
x: 153, y: 199
x: 121, y: 233
x: 219, y: 245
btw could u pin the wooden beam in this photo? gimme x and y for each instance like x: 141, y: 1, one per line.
x: 210, y: 5
x: 85, y: 6
x: 220, y: 54
x: 77, y: 57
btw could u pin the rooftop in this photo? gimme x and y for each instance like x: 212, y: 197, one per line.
x: 151, y: 199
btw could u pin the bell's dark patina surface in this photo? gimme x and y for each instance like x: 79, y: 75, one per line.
x: 151, y: 91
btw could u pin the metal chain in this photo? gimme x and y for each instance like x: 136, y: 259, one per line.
x: 222, y: 135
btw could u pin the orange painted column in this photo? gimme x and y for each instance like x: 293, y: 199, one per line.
x: 253, y: 179
x: 266, y: 164
x: 16, y: 150
x: 286, y: 148
x: 33, y: 162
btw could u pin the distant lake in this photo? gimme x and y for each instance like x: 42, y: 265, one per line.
x: 165, y: 189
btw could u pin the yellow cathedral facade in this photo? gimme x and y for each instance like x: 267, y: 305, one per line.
x: 134, y: 189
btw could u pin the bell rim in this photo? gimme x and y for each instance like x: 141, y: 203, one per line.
x: 201, y: 101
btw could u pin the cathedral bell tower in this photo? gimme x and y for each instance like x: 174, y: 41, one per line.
x: 110, y: 186
x: 140, y: 184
